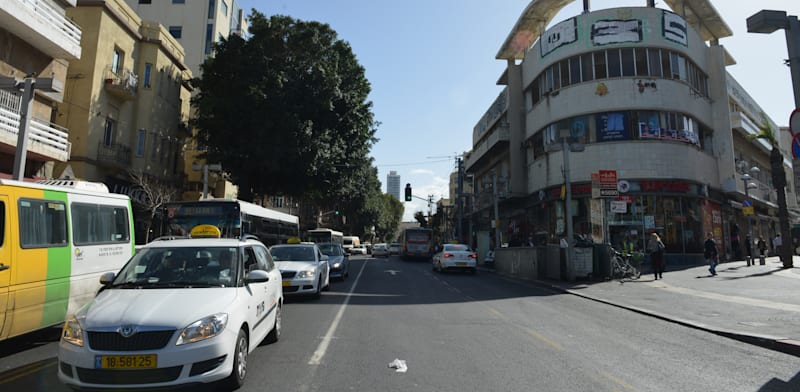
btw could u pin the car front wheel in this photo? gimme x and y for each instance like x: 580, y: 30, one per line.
x: 239, y: 371
x: 275, y: 334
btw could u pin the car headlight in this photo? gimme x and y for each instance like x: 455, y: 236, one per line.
x: 72, y: 332
x: 203, y: 329
x: 305, y: 274
x: 337, y: 265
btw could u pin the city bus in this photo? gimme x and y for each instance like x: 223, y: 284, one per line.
x: 416, y: 242
x: 233, y: 217
x: 322, y: 235
x: 57, y: 238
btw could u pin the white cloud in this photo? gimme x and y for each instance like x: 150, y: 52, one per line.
x: 422, y: 171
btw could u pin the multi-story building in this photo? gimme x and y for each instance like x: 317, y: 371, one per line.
x: 37, y: 40
x: 197, y: 25
x: 638, y: 93
x: 393, y: 184
x: 126, y: 101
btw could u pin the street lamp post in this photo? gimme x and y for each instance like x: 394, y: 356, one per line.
x: 766, y: 22
x: 747, y: 186
x: 205, y: 168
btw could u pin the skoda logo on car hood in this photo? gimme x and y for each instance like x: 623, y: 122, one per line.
x: 127, y: 330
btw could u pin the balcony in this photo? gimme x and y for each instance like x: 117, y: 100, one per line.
x: 114, y: 155
x: 46, y: 140
x: 122, y: 84
x: 500, y: 135
x: 43, y: 25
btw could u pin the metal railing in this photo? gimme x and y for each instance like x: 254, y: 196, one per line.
x: 124, y: 79
x: 42, y: 135
x: 45, y: 10
x: 117, y: 154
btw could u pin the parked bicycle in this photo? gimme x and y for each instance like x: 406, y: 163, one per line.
x: 625, y: 265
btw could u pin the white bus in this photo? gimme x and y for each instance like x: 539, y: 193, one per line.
x: 322, y: 235
x: 233, y: 217
x: 56, y: 239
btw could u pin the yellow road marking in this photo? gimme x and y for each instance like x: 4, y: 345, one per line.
x: 617, y: 381
x: 25, y: 371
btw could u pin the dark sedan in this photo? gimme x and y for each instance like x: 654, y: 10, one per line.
x: 337, y: 259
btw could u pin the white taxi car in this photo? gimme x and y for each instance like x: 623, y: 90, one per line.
x: 455, y: 257
x: 304, y: 268
x: 181, y: 311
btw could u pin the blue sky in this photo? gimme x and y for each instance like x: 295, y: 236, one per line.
x: 432, y: 67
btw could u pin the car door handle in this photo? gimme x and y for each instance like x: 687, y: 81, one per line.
x: 4, y: 267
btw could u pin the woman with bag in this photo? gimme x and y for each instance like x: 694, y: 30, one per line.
x: 656, y: 250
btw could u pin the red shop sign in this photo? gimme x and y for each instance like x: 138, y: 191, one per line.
x: 665, y: 186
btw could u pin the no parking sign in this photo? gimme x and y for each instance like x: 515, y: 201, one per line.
x: 794, y: 128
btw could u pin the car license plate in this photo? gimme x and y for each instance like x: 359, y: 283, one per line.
x: 144, y: 361
x: 286, y: 283
x: 460, y: 263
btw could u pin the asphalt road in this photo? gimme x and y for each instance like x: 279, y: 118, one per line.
x: 462, y: 332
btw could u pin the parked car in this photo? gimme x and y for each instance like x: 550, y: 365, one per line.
x: 190, y: 303
x: 455, y: 257
x: 380, y: 250
x: 304, y: 268
x: 394, y: 248
x: 338, y: 260
x: 358, y: 250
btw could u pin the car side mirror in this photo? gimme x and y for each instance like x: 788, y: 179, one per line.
x: 324, y: 258
x: 107, y: 278
x: 257, y: 276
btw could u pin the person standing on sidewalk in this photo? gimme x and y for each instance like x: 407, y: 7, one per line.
x: 656, y: 250
x: 711, y: 253
x: 762, y: 250
x: 777, y: 243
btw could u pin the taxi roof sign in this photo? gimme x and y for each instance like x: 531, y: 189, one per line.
x: 293, y: 240
x: 205, y: 231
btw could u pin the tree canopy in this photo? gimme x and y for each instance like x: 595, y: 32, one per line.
x: 286, y: 111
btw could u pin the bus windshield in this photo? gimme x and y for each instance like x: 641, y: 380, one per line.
x: 180, y: 218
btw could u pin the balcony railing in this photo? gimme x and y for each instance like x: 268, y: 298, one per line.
x: 116, y: 155
x: 57, y: 29
x: 122, y: 84
x: 46, y: 139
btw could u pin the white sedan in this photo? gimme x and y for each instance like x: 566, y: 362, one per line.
x: 183, y: 311
x: 455, y: 257
x: 304, y: 268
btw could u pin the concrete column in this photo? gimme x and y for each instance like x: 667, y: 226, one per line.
x: 516, y: 120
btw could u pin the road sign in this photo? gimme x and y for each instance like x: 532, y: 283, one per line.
x: 794, y: 122
x: 796, y: 146
x: 747, y: 210
x: 747, y: 203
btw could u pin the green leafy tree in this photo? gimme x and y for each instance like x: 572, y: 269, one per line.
x: 767, y: 133
x: 389, y: 218
x: 286, y: 111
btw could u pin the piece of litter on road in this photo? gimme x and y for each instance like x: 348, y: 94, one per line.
x: 399, y: 365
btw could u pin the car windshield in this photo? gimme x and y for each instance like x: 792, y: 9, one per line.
x: 456, y: 248
x: 292, y: 253
x: 330, y: 249
x: 184, y: 266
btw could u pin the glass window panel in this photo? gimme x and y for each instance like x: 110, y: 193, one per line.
x: 614, y: 65
x: 587, y: 69
x: 654, y: 62
x: 575, y: 70
x: 600, y: 65
x: 564, y: 65
x: 666, y: 68
x: 628, y: 66
x: 42, y: 223
x: 641, y: 62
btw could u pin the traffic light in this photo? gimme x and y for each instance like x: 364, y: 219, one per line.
x: 336, y: 212
x: 408, y: 192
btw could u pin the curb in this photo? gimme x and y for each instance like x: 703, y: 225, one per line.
x: 786, y: 346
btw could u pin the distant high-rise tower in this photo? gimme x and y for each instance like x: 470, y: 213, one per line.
x: 393, y: 184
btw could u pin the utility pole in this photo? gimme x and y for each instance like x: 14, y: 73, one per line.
x: 460, y: 199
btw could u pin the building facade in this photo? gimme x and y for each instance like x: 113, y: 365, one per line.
x: 393, y: 184
x: 126, y: 102
x: 197, y: 25
x: 37, y: 39
x: 640, y: 93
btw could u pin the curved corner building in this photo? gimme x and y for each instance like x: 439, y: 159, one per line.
x: 641, y: 98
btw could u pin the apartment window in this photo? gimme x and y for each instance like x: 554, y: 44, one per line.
x: 116, y: 61
x: 141, y: 135
x: 614, y: 63
x: 148, y: 73
x: 145, y: 1
x: 628, y: 68
x: 178, y: 1
x: 655, y: 62
x: 641, y: 61
x: 176, y: 31
x: 277, y: 201
x: 564, y: 64
x: 209, y: 37
x: 212, y: 6
x: 224, y: 8
x: 575, y: 69
x: 108, y: 133
x: 600, y: 65
x: 153, y: 147
x: 586, y: 63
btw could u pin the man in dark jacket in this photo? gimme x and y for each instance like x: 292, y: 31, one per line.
x: 711, y: 253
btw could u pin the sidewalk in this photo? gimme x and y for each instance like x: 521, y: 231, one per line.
x: 756, y: 304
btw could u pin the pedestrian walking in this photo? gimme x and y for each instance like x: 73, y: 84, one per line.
x: 777, y: 242
x: 711, y: 253
x: 737, y: 251
x: 656, y: 250
x: 749, y: 246
x: 762, y: 249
